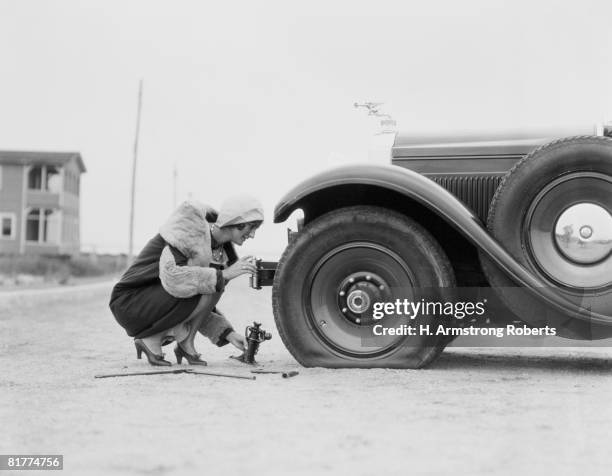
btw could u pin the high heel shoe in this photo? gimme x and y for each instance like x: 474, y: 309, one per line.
x: 192, y: 359
x: 153, y: 359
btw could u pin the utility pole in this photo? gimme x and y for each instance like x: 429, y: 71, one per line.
x: 131, y: 246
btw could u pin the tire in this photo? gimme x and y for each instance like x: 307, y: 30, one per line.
x: 553, y: 213
x: 383, y: 252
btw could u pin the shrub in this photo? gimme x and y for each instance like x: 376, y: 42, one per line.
x: 61, y: 268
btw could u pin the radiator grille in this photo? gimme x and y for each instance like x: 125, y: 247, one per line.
x: 476, y: 191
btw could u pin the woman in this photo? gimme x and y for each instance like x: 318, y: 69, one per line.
x: 170, y: 291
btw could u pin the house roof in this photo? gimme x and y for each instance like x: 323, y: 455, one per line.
x: 25, y: 157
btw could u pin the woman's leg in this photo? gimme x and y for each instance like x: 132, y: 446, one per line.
x: 193, y: 322
x: 153, y: 343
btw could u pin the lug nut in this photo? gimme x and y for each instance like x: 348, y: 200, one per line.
x: 352, y: 280
x: 342, y: 293
x: 368, y: 277
x: 344, y: 309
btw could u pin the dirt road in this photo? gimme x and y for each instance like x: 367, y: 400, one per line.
x: 480, y: 411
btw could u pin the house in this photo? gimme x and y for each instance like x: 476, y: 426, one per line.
x: 40, y: 202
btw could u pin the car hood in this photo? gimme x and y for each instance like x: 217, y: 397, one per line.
x: 461, y: 144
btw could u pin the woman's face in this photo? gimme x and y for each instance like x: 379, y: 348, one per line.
x: 238, y: 235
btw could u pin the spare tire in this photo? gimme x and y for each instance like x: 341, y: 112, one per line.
x: 336, y: 268
x: 553, y: 213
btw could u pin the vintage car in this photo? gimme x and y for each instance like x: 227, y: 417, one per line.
x: 527, y: 216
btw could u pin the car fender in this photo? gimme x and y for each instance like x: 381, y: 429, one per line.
x: 443, y: 203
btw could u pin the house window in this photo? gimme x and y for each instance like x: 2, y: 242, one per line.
x: 7, y: 226
x: 51, y: 223
x: 71, y: 182
x: 43, y: 225
x: 35, y: 178
x: 45, y: 177
x: 33, y: 225
x: 53, y: 180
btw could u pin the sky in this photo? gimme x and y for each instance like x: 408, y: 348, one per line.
x: 254, y: 97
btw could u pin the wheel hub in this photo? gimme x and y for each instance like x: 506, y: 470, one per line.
x: 586, y: 232
x: 583, y: 233
x: 357, y: 293
x: 358, y: 301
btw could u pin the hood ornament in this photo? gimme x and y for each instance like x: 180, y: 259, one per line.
x: 387, y: 123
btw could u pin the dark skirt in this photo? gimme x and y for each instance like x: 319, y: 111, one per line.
x: 139, y: 302
x: 148, y: 310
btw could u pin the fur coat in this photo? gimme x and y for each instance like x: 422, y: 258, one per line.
x: 188, y: 231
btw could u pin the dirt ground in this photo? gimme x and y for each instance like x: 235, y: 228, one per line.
x: 476, y: 411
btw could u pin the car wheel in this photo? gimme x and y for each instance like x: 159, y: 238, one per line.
x: 553, y: 214
x: 330, y: 276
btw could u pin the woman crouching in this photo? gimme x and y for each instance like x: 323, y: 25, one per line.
x: 170, y: 291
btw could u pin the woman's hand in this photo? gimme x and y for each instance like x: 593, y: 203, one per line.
x: 244, y: 265
x: 237, y: 340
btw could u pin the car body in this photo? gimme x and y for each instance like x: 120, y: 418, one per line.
x: 449, y: 185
